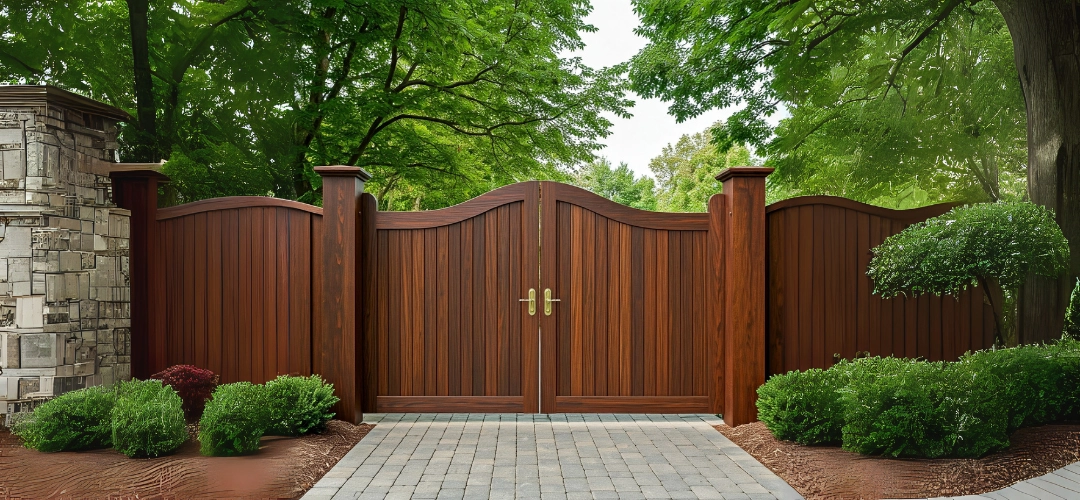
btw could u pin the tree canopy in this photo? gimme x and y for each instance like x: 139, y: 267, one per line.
x: 617, y: 184
x: 440, y: 101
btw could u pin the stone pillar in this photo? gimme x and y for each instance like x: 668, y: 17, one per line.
x: 338, y: 357
x: 64, y: 297
x: 744, y: 289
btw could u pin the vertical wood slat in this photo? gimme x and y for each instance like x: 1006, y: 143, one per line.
x: 818, y: 251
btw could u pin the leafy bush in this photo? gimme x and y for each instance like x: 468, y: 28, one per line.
x: 300, y: 405
x: 235, y: 418
x: 1072, y: 314
x: 193, y: 384
x: 995, y: 245
x: 148, y: 419
x: 802, y: 406
x: 1036, y: 384
x: 77, y: 420
x: 923, y: 409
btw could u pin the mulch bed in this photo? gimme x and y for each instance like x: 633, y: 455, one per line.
x: 830, y: 472
x: 283, y: 468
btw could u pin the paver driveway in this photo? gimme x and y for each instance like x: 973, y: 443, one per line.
x: 550, y: 456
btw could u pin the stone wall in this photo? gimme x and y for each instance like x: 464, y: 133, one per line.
x: 64, y: 296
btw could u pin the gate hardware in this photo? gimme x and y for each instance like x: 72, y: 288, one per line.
x: 532, y: 301
x: 547, y: 301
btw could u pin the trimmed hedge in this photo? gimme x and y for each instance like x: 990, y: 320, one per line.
x: 914, y: 408
x: 148, y: 419
x: 78, y: 420
x: 300, y: 405
x: 234, y: 419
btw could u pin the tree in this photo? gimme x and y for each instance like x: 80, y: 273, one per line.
x: 618, y: 184
x: 706, y: 54
x: 686, y: 171
x: 438, y: 100
x: 992, y: 245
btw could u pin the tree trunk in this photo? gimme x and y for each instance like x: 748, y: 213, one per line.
x: 145, y: 149
x: 1046, y: 47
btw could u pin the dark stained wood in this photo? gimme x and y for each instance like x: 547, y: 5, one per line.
x: 450, y: 331
x: 233, y: 202
x: 821, y: 302
x: 632, y: 404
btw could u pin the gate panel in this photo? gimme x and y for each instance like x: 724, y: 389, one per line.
x: 634, y: 330
x: 445, y: 328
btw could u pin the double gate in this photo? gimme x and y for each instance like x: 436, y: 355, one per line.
x: 540, y: 297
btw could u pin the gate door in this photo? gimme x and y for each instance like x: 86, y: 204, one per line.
x: 636, y: 327
x: 446, y: 330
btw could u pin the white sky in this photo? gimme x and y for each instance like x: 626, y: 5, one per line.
x: 643, y: 136
x: 640, y: 138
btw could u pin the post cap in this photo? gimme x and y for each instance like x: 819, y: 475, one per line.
x: 134, y: 173
x: 730, y: 172
x: 343, y: 171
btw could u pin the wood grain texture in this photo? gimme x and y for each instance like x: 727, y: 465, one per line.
x: 233, y: 202
x: 631, y: 332
x: 448, y: 330
x: 820, y: 303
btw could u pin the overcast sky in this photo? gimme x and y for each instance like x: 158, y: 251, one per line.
x: 638, y: 139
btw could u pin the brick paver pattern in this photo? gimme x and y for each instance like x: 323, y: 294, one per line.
x: 478, y: 456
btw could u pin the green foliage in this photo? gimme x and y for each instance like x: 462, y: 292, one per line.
x: 884, y: 101
x: 686, y: 171
x: 439, y: 100
x: 77, y: 420
x: 802, y: 406
x: 1072, y: 315
x: 924, y: 409
x: 148, y: 419
x: 618, y: 185
x: 948, y: 253
x: 234, y: 419
x: 300, y: 405
x: 914, y: 408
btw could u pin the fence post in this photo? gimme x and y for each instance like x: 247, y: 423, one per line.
x: 744, y: 290
x: 340, y: 353
x: 137, y: 191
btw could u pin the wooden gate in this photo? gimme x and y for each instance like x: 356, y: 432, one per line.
x: 636, y: 328
x: 445, y: 328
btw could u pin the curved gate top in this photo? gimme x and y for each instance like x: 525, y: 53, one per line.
x: 541, y: 296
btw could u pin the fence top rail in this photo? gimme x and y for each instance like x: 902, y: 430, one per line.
x: 910, y: 215
x: 233, y: 202
x: 457, y: 213
x: 692, y: 221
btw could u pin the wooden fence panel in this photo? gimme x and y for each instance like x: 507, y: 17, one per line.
x: 820, y: 303
x: 241, y: 285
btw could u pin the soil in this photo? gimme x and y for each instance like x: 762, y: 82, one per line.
x: 830, y: 472
x: 282, y: 468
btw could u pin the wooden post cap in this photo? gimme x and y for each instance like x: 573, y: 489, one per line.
x: 730, y: 172
x: 343, y: 171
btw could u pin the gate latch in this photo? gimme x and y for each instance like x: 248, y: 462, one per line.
x: 547, y: 301
x: 531, y: 300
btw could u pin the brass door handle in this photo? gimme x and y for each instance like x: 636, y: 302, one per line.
x: 547, y: 301
x: 531, y: 300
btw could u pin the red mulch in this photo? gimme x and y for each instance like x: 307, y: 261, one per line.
x: 283, y: 468
x: 830, y: 472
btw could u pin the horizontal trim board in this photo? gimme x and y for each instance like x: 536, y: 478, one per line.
x: 426, y: 219
x: 554, y: 192
x: 233, y: 202
x: 908, y: 216
x: 448, y: 404
x: 632, y: 404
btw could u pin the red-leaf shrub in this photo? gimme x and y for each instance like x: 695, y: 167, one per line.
x: 193, y: 384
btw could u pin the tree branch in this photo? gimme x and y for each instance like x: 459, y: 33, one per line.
x: 394, y: 47
x: 941, y: 16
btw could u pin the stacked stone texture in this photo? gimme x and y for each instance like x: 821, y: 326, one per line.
x: 65, y: 310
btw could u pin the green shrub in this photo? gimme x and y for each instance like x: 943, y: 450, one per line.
x: 804, y: 407
x: 1072, y: 314
x: 923, y: 409
x: 1035, y: 384
x: 148, y: 419
x: 78, y: 420
x: 236, y: 416
x: 299, y: 405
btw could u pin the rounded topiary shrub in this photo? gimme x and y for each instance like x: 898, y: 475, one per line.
x: 299, y: 405
x: 235, y: 418
x: 148, y: 419
x: 804, y: 407
x: 193, y: 384
x: 77, y: 420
